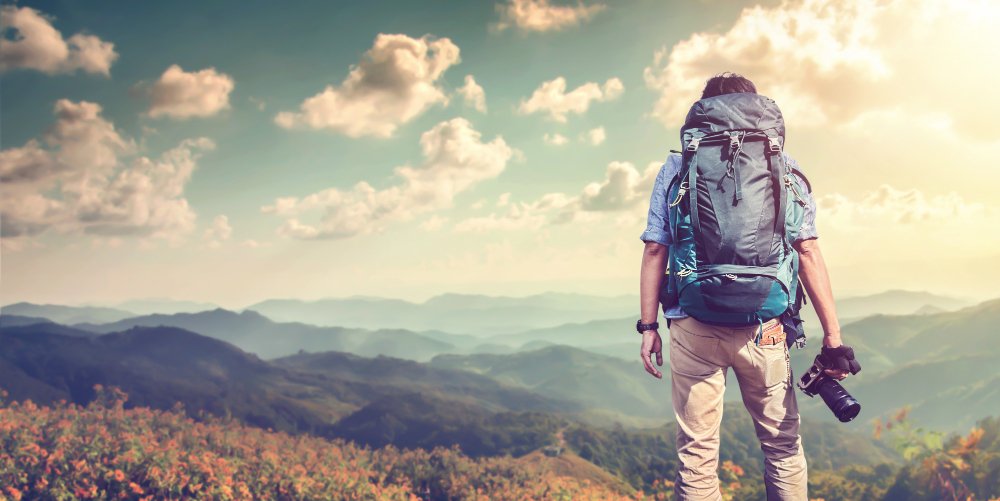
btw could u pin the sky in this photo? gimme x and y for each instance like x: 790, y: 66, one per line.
x: 232, y: 153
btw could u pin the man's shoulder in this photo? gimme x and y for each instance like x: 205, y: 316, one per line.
x: 672, y: 166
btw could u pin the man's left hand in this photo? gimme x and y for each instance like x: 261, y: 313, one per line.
x: 651, y: 343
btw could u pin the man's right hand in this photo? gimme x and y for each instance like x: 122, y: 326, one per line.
x: 651, y: 343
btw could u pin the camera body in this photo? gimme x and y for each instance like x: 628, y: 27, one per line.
x: 816, y: 382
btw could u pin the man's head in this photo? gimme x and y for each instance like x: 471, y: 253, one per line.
x: 727, y: 83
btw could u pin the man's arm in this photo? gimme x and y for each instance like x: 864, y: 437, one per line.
x: 812, y: 271
x: 654, y: 263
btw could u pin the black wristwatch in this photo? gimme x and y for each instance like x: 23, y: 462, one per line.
x: 641, y: 327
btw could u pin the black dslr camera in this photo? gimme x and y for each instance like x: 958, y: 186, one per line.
x: 816, y: 381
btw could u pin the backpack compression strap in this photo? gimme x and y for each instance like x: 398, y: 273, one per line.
x: 777, y: 173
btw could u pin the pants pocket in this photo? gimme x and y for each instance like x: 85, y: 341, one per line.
x: 776, y: 364
x: 691, y: 353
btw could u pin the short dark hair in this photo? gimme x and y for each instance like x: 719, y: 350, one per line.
x: 727, y: 83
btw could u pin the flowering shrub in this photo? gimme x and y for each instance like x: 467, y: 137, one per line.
x: 103, y: 451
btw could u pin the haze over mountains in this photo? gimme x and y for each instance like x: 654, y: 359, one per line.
x: 922, y: 355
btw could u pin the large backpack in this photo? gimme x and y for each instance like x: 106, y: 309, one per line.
x: 734, y: 211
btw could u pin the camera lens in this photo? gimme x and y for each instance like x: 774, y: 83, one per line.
x: 843, y: 405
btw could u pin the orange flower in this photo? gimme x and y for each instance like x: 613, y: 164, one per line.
x: 14, y: 493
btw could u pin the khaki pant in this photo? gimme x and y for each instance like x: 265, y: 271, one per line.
x: 700, y: 356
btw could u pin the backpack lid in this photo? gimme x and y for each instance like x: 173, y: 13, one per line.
x: 742, y: 110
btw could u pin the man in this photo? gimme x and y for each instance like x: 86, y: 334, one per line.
x: 701, y: 353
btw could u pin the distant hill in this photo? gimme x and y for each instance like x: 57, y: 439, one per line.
x: 66, y: 314
x: 147, y: 306
x: 258, y: 334
x: 36, y: 324
x: 422, y: 420
x: 579, y: 334
x: 596, y: 381
x: 896, y: 302
x: 465, y: 313
x: 935, y: 362
x: 416, y: 377
x: 158, y: 366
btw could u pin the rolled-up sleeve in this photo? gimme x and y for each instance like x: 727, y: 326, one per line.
x: 656, y: 221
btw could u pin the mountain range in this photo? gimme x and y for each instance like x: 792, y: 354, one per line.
x: 932, y: 359
x: 370, y: 400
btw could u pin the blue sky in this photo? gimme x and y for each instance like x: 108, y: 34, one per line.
x: 504, y: 211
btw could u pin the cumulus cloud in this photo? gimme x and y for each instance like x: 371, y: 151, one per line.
x: 551, y: 98
x: 622, y: 189
x: 888, y: 205
x: 395, y: 81
x: 87, y: 179
x: 219, y: 232
x: 473, y: 94
x: 826, y: 62
x: 31, y: 42
x: 521, y: 215
x: 541, y: 16
x: 555, y: 139
x: 180, y: 94
x: 596, y: 136
x: 455, y: 159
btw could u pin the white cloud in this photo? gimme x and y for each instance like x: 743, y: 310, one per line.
x: 473, y: 94
x: 503, y: 199
x: 455, y: 158
x: 621, y: 190
x: 623, y: 186
x: 88, y: 181
x: 180, y: 94
x: 596, y: 136
x: 551, y: 97
x: 35, y: 44
x: 826, y: 62
x: 541, y: 16
x: 796, y: 52
x: 891, y: 206
x: 531, y: 215
x: 395, y: 81
x: 219, y: 231
x: 555, y: 139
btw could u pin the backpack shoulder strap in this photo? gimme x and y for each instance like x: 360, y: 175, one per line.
x: 803, y: 177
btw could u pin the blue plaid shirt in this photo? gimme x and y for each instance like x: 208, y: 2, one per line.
x: 658, y: 225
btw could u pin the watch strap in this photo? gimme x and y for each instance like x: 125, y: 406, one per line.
x: 641, y: 327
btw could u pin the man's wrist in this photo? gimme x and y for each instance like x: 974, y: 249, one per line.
x: 832, y: 339
x: 641, y: 326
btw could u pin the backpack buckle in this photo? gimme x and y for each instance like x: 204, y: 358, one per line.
x: 775, y: 146
x: 693, y: 145
x: 734, y: 140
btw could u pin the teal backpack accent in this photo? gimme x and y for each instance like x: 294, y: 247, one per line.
x: 734, y: 211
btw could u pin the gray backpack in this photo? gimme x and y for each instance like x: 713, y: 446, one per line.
x: 734, y: 210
